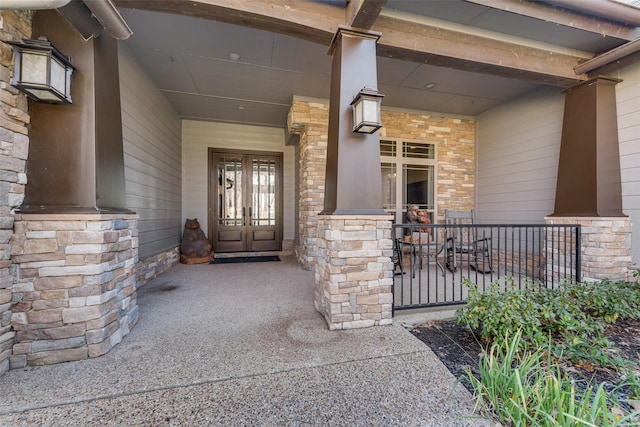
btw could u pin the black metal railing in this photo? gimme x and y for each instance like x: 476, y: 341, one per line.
x: 432, y: 263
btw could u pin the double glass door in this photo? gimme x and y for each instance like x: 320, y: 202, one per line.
x: 245, y: 212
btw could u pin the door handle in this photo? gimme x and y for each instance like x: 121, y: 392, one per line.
x: 250, y: 215
x: 244, y: 217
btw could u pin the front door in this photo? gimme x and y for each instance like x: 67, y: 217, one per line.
x: 245, y: 203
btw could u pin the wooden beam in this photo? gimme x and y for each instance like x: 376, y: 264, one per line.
x: 405, y: 40
x: 548, y: 13
x: 446, y: 48
x: 312, y: 21
x: 363, y: 13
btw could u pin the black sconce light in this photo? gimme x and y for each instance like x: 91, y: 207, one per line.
x: 366, y: 111
x: 42, y: 71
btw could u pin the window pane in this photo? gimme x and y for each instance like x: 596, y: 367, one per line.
x: 387, y: 148
x: 416, y: 150
x: 389, y: 186
x: 58, y: 77
x: 418, y: 186
x: 34, y: 68
x: 264, y: 192
x: 230, y: 191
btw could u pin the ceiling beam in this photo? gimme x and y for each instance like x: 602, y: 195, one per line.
x: 363, y: 13
x: 453, y: 49
x: 401, y: 39
x: 548, y: 13
x: 311, y: 21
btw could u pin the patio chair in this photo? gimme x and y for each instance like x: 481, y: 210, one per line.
x: 462, y: 244
x: 420, y: 245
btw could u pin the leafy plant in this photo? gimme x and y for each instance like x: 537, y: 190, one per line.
x: 523, y: 387
x: 633, y: 381
x: 573, y: 317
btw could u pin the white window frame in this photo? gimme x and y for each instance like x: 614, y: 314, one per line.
x: 400, y: 161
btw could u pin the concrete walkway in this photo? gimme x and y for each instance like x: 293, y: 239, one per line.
x: 241, y: 344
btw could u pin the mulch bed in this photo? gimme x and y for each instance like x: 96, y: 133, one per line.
x: 460, y: 349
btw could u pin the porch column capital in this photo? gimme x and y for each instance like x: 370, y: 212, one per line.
x: 347, y: 31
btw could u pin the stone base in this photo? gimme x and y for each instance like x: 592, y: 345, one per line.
x: 198, y: 260
x: 354, y: 272
x: 75, y: 294
x: 605, y: 246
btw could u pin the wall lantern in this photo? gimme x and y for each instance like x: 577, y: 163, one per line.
x: 42, y: 71
x: 366, y: 111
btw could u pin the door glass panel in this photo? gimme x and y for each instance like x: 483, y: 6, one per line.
x: 418, y: 186
x: 388, y: 186
x: 264, y: 192
x: 230, y: 191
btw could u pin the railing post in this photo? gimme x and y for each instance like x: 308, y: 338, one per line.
x: 578, y: 231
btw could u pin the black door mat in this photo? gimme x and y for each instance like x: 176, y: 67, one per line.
x: 234, y: 260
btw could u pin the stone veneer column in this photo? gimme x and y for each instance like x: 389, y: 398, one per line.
x: 309, y: 120
x: 75, y: 290
x: 14, y: 149
x: 605, y: 247
x: 354, y: 273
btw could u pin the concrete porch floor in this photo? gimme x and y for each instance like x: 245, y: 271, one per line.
x: 241, y: 344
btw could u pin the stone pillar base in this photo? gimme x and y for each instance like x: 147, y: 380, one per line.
x: 75, y: 290
x: 354, y: 271
x: 606, y: 246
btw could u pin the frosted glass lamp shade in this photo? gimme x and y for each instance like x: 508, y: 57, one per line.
x: 366, y: 111
x: 42, y: 71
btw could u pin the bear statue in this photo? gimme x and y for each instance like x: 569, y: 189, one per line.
x: 194, y: 245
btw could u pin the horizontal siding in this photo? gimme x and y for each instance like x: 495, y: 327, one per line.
x: 518, y: 150
x: 628, y: 109
x: 199, y: 136
x: 153, y: 159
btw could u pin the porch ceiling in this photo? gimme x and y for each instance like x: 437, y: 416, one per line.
x: 192, y: 59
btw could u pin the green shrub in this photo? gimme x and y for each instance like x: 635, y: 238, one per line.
x: 572, y: 318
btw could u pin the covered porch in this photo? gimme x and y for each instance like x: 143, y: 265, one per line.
x: 241, y: 344
x: 488, y: 138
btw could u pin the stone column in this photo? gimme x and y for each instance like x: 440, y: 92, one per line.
x: 354, y: 272
x: 308, y: 119
x: 589, y: 185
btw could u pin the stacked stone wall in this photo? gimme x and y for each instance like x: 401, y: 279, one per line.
x: 456, y: 161
x: 14, y: 148
x: 75, y: 290
x: 155, y: 265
